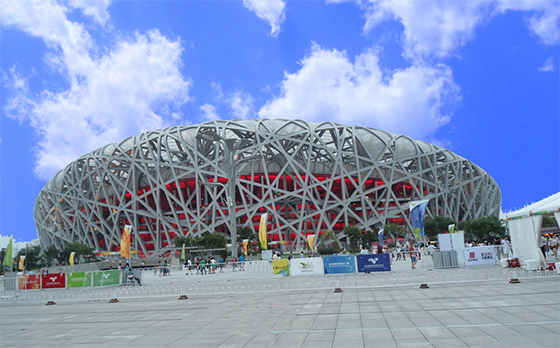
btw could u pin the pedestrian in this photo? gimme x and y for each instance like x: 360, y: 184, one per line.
x: 203, y: 266
x: 213, y: 265
x: 413, y: 258
x: 544, y: 244
x: 505, y: 247
x: 301, y: 255
x: 241, y: 263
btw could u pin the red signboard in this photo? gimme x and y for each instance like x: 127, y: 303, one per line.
x: 53, y: 281
x: 29, y: 282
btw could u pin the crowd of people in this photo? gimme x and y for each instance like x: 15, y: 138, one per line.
x: 210, y: 265
x: 400, y: 252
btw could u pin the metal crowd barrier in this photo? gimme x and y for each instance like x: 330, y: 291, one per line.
x: 255, y: 285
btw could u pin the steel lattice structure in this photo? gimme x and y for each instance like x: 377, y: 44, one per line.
x: 308, y: 177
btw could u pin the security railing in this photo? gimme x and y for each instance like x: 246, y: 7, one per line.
x: 8, y: 286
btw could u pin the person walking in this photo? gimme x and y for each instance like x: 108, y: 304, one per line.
x: 412, y: 255
x: 202, y: 266
x: 241, y: 263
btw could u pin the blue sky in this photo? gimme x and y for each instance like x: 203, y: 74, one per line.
x: 479, y: 78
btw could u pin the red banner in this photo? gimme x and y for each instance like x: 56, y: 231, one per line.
x: 29, y: 282
x: 53, y: 280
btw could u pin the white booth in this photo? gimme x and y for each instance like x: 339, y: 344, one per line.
x: 525, y: 229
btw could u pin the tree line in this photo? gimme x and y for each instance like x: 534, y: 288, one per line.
x: 36, y: 258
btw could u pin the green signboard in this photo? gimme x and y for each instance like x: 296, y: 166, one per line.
x: 103, y: 278
x: 78, y: 279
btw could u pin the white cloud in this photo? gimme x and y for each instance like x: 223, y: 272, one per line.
x: 329, y: 87
x: 97, y: 9
x: 430, y: 27
x: 547, y: 66
x: 544, y: 19
x: 210, y: 113
x: 271, y: 11
x: 438, y: 28
x: 133, y: 87
x: 241, y: 104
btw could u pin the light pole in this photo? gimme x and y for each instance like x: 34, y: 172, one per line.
x: 231, y: 148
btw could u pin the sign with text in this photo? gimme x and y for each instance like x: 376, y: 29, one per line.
x: 29, y: 282
x: 479, y: 256
x: 281, y: 267
x: 339, y: 264
x: 53, y: 281
x: 78, y: 279
x: 310, y: 265
x: 374, y: 263
x: 104, y: 278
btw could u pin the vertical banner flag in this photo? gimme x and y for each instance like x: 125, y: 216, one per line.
x: 8, y: 255
x: 417, y: 212
x: 380, y: 235
x: 245, y: 243
x: 451, y: 228
x: 183, y: 252
x: 262, y: 231
x: 311, y: 241
x: 21, y: 262
x: 125, y: 241
x: 71, y: 260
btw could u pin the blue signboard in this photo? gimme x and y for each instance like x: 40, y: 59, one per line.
x: 374, y: 263
x: 339, y: 264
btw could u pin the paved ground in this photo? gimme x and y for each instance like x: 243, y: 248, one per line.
x: 479, y: 314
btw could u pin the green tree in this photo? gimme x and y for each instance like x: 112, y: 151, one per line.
x: 179, y: 241
x: 436, y: 225
x: 484, y: 229
x: 254, y: 245
x: 394, y: 231
x: 80, y: 249
x: 212, y: 240
x: 354, y: 234
x: 549, y: 221
x: 32, y: 257
x: 328, y: 243
x: 246, y: 233
x: 368, y: 237
x: 50, y: 255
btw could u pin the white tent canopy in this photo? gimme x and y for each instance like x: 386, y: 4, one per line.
x: 525, y: 228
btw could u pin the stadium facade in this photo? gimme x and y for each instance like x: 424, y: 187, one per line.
x: 308, y: 177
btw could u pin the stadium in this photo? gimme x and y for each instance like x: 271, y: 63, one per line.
x: 221, y: 175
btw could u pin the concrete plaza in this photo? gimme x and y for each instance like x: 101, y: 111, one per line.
x: 470, y: 314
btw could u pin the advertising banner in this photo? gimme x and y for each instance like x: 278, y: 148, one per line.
x: 339, y: 264
x: 103, y: 278
x: 53, y: 281
x: 125, y: 241
x: 262, y: 232
x: 311, y: 265
x: 8, y: 254
x: 29, y: 282
x: 479, y: 256
x: 78, y: 279
x: 374, y: 263
x: 281, y: 267
x: 417, y: 213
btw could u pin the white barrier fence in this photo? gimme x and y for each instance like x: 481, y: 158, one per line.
x: 253, y: 285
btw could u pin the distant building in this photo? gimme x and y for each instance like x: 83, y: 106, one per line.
x: 308, y: 177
